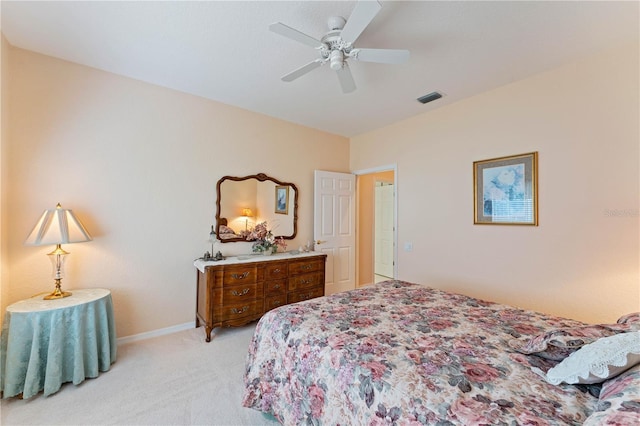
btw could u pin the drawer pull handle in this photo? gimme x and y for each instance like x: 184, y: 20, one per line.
x: 240, y: 276
x: 306, y: 267
x: 277, y: 270
x: 242, y: 293
x: 309, y: 281
x: 306, y: 296
x: 276, y: 303
x: 277, y: 286
x: 240, y: 311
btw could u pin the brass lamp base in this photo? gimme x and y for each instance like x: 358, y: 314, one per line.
x: 57, y: 293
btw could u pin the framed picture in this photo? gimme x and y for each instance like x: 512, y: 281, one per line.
x: 282, y: 199
x: 505, y: 190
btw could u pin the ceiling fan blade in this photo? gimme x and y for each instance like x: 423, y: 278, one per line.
x: 362, y: 15
x: 346, y: 79
x: 383, y: 56
x: 302, y: 70
x: 284, y: 30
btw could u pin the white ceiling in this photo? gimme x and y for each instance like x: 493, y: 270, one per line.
x: 223, y: 50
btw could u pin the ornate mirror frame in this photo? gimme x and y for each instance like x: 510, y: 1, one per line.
x: 261, y: 177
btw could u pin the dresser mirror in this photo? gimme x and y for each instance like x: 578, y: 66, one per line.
x: 247, y: 200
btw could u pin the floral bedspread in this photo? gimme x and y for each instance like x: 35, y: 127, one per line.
x: 402, y: 353
x: 619, y: 401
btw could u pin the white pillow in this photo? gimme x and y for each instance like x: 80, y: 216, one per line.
x: 594, y: 363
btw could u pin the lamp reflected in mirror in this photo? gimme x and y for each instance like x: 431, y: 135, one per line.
x: 246, y: 213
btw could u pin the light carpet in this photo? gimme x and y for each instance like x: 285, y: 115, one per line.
x: 177, y: 379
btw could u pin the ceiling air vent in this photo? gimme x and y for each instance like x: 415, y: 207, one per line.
x: 430, y: 97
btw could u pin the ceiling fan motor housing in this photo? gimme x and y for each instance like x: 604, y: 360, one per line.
x: 336, y: 23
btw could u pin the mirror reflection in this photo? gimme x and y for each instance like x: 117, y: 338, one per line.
x: 245, y: 201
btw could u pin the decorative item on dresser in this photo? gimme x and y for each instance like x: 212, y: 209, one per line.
x: 235, y: 291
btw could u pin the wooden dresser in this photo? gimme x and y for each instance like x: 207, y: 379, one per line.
x: 238, y: 290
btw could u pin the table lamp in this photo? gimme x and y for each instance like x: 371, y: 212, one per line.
x: 57, y: 226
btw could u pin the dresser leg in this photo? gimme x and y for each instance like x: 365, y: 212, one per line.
x: 207, y: 331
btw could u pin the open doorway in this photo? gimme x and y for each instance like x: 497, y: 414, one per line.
x: 383, y: 230
x: 376, y: 230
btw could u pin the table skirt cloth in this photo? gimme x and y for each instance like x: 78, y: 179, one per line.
x: 42, y: 350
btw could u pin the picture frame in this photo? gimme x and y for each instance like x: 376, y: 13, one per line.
x: 282, y: 199
x: 505, y: 190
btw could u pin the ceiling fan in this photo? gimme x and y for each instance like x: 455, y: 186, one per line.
x: 336, y: 46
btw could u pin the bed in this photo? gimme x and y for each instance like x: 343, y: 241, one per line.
x: 403, y: 353
x: 226, y: 233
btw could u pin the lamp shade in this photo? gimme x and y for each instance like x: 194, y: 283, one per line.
x: 57, y: 226
x: 247, y: 212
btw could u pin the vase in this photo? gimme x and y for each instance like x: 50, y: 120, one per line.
x: 267, y: 252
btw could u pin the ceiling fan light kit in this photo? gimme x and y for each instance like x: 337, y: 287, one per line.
x: 337, y: 59
x: 336, y: 46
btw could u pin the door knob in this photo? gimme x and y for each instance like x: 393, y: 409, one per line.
x: 320, y: 242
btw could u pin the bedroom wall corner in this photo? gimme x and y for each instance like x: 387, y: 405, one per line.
x: 4, y: 135
x: 583, y: 260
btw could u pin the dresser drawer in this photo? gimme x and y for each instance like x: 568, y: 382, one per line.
x: 274, y: 301
x: 275, y: 287
x: 305, y: 266
x: 275, y: 271
x: 240, y: 310
x: 241, y: 293
x: 299, y: 296
x: 305, y: 281
x: 240, y: 275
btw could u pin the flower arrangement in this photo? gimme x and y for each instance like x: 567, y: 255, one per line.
x: 264, y: 240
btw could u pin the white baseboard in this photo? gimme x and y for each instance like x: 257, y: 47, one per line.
x: 156, y: 333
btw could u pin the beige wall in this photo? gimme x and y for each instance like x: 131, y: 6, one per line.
x: 366, y: 223
x: 583, y: 259
x: 138, y: 164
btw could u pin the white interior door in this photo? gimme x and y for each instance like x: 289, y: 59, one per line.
x: 383, y: 221
x: 334, y: 227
